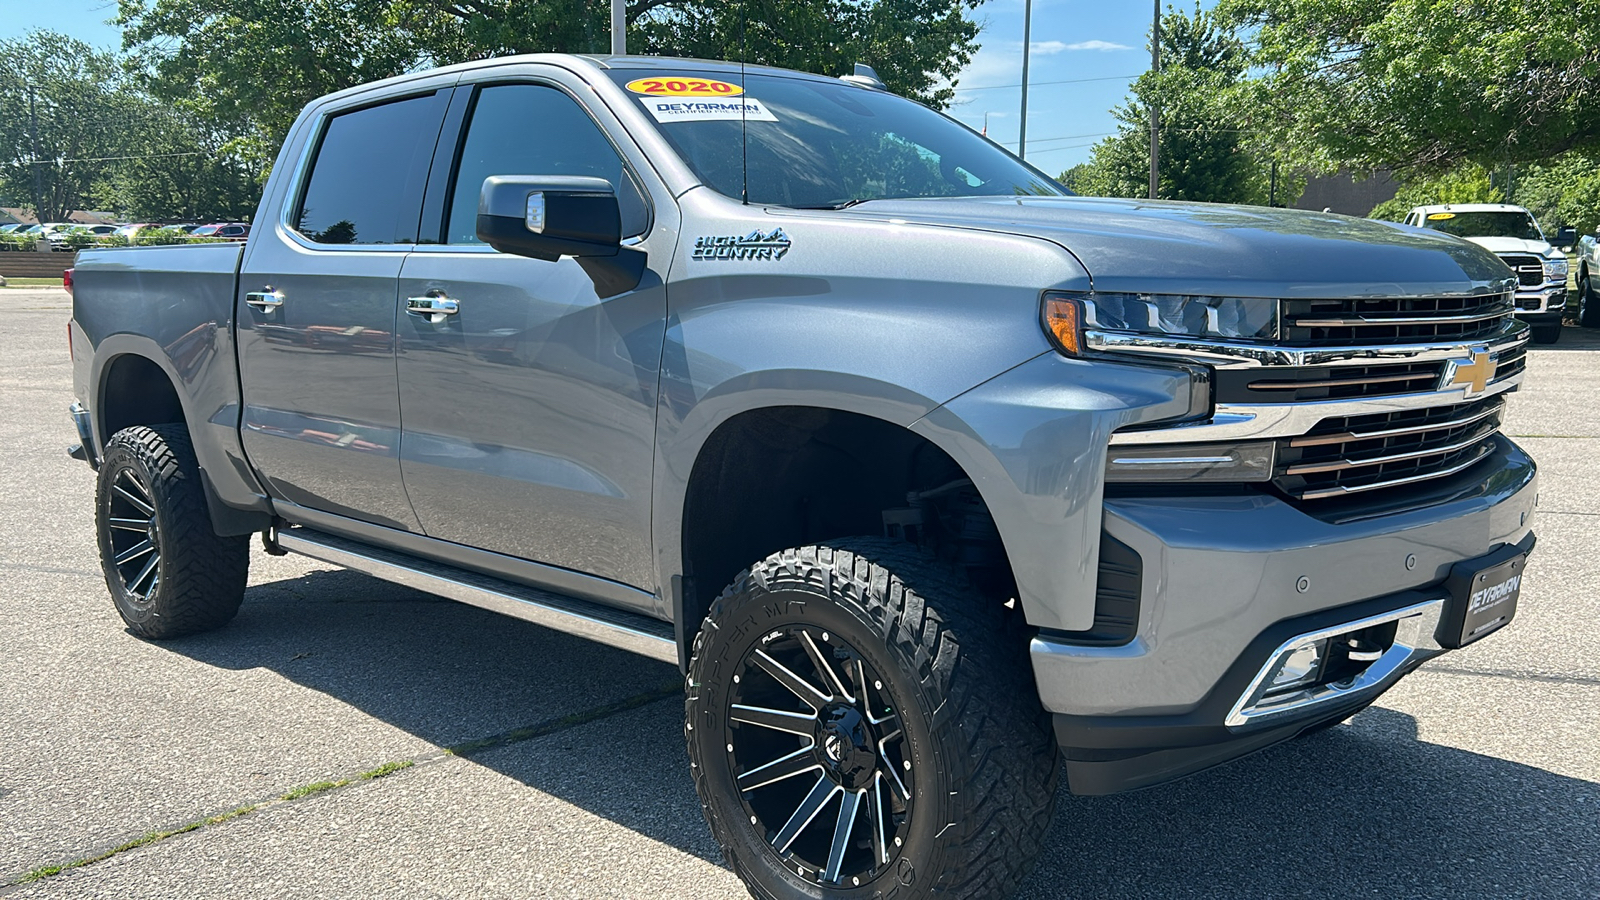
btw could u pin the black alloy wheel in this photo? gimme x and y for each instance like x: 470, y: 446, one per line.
x: 863, y: 723
x: 824, y: 770
x: 168, y: 572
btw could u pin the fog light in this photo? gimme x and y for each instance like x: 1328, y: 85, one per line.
x: 1191, y: 462
x: 1298, y: 667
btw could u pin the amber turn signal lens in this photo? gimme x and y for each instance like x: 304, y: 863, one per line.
x: 1063, y: 318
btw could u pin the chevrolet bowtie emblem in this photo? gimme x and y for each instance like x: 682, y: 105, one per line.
x: 1472, y: 375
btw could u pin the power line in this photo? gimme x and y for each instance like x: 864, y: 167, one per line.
x: 995, y: 87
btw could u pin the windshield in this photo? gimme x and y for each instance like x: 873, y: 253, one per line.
x: 1485, y: 224
x: 818, y: 144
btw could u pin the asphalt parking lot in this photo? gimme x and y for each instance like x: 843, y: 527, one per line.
x: 511, y: 761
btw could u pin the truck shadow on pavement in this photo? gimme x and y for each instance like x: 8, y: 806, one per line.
x: 1362, y: 809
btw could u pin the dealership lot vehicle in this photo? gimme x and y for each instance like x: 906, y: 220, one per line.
x: 931, y: 484
x: 1512, y: 234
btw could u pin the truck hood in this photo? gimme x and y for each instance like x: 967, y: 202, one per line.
x: 1202, y: 248
x: 1511, y: 245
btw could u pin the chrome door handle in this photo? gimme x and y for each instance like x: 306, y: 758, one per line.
x: 266, y: 301
x: 434, y: 309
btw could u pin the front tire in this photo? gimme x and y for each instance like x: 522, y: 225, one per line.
x: 1588, y: 303
x: 861, y: 723
x: 168, y: 573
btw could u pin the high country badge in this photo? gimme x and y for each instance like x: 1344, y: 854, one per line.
x: 755, y: 245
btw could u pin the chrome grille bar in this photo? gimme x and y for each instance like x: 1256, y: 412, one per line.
x: 1343, y: 490
x: 1347, y: 436
x: 1342, y: 465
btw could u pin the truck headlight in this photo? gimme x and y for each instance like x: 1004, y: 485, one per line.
x: 1179, y: 315
x: 1554, y: 269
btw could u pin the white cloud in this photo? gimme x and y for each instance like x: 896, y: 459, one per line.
x: 1045, y: 48
x: 1085, y: 45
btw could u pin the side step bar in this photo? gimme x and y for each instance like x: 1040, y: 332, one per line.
x: 614, y: 627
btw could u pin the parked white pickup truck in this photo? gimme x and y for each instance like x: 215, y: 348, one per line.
x: 1511, y: 233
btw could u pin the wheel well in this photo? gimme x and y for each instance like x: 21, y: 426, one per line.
x: 137, y: 392
x: 781, y: 477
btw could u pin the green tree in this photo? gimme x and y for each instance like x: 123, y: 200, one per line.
x: 70, y: 101
x: 1469, y: 183
x: 251, y: 65
x: 179, y: 168
x: 1422, y: 84
x: 1205, y: 155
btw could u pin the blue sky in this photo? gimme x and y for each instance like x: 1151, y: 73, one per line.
x: 1073, y: 40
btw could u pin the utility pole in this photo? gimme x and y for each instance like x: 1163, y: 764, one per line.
x: 1272, y: 192
x: 1027, y: 45
x: 1155, y: 114
x: 33, y: 135
x: 619, y: 28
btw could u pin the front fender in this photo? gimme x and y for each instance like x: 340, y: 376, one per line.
x: 1033, y: 440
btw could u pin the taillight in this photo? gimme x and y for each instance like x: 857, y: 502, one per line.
x: 66, y: 280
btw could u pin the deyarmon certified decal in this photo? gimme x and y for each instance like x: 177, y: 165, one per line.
x: 684, y: 87
x: 755, y: 245
x: 689, y: 109
x: 1440, y: 217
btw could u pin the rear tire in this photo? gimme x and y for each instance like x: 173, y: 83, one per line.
x: 922, y: 763
x: 1547, y: 334
x: 168, y: 573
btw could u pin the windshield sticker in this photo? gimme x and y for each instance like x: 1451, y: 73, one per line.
x: 684, y: 110
x: 1440, y: 217
x: 684, y: 87
x: 755, y: 245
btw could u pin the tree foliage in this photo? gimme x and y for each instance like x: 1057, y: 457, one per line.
x: 254, y: 63
x: 105, y: 144
x: 1204, y: 154
x: 78, y: 110
x: 1422, y: 84
x: 1469, y: 183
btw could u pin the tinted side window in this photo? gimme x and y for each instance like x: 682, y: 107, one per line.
x: 529, y: 129
x: 366, y: 180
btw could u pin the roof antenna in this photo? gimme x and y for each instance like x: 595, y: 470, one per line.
x: 744, y: 101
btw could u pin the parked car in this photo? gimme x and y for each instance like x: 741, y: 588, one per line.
x: 234, y: 231
x: 132, y: 231
x: 1587, y: 312
x: 1511, y: 233
x: 938, y: 490
x: 10, y: 227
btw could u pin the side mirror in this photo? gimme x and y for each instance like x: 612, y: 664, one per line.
x: 1566, y: 236
x: 551, y: 216
x: 548, y: 217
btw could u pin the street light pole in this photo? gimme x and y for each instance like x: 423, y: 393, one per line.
x: 619, y: 28
x: 1155, y: 115
x: 1027, y: 44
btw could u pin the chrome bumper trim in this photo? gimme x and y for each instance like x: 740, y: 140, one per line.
x: 1413, y: 640
x: 1224, y: 354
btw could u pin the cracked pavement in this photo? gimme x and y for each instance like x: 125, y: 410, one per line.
x: 1479, y: 776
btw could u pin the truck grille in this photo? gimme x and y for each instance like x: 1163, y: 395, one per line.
x: 1393, y: 320
x: 1355, y: 454
x: 1529, y: 269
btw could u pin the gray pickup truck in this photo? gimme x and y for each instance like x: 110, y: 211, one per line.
x: 938, y: 483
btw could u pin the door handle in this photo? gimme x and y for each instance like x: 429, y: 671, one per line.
x: 266, y: 301
x: 433, y: 308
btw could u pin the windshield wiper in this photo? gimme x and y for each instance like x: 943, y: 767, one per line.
x: 845, y: 205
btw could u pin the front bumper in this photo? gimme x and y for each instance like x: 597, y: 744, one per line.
x: 1226, y: 580
x: 1533, y: 304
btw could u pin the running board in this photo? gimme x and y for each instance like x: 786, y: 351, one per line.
x: 613, y: 627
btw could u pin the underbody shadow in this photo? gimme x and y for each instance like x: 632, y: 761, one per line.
x: 1361, y: 810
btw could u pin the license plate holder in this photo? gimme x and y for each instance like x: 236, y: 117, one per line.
x: 1483, y: 598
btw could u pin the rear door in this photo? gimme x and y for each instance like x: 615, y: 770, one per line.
x: 317, y: 308
x: 530, y: 411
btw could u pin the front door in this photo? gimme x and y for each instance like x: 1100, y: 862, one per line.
x: 530, y: 411
x: 317, y: 310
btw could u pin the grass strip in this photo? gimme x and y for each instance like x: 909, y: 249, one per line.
x: 463, y: 750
